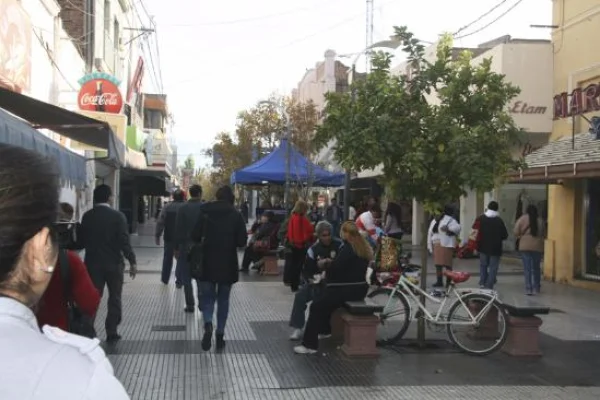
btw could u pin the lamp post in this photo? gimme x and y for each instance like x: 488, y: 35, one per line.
x: 288, y: 150
x: 389, y: 44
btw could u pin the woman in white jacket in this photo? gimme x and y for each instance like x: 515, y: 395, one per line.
x: 441, y: 241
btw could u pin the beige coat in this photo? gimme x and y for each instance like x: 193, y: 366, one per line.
x: 528, y: 242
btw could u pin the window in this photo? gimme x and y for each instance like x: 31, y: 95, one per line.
x: 153, y: 119
x: 107, y: 16
x: 116, y: 36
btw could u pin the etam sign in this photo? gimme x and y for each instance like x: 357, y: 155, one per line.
x: 579, y: 101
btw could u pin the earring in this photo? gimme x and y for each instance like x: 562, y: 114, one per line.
x: 48, y: 269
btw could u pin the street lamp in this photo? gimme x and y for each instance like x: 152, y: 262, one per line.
x: 389, y: 44
x: 288, y: 150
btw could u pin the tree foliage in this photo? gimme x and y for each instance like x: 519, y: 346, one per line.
x: 259, y: 130
x: 203, y: 178
x: 438, y: 131
x: 190, y: 162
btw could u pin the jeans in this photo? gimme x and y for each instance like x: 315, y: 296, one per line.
x: 532, y: 270
x: 167, y: 265
x: 182, y: 273
x: 211, y: 292
x: 488, y: 270
x: 307, y: 293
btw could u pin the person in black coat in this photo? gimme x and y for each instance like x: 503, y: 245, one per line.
x: 265, y: 229
x: 345, y: 278
x: 492, y: 232
x: 224, y: 232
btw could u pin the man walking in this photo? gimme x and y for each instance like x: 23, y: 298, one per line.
x: 333, y: 215
x: 105, y: 237
x: 165, y: 226
x: 492, y: 232
x: 187, y: 215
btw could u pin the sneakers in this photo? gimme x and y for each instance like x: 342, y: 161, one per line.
x: 304, y: 350
x: 297, y: 334
x: 324, y: 336
x: 207, y: 338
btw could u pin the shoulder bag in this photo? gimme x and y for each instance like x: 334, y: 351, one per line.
x: 78, y: 322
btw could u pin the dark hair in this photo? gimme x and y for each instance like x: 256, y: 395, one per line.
x: 196, y: 191
x: 449, y: 211
x: 67, y: 211
x: 28, y: 203
x: 395, y: 211
x: 102, y: 193
x: 532, y: 211
x: 376, y: 209
x: 224, y: 193
x: 178, y: 195
x: 269, y: 214
x: 493, y: 206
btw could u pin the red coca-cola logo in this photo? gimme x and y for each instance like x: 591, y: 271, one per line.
x: 100, y: 95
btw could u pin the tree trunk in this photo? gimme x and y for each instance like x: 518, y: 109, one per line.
x: 424, y: 259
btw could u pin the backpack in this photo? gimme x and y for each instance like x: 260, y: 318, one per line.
x: 78, y: 322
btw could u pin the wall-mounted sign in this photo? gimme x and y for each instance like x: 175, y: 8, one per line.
x: 117, y: 122
x: 15, y: 46
x: 579, y: 101
x: 521, y: 107
x: 136, y: 82
x: 100, y: 92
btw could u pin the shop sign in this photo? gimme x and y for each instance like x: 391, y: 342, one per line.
x: 15, y: 46
x: 579, y: 101
x: 100, y: 92
x: 521, y: 107
x: 117, y: 122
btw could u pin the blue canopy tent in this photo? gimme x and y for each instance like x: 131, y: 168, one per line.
x: 271, y: 169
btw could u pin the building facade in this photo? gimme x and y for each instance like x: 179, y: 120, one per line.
x: 570, y: 163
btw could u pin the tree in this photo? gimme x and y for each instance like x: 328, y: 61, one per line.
x: 259, y: 130
x: 430, y: 151
x: 203, y: 178
x: 189, y: 162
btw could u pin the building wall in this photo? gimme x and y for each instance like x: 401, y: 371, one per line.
x: 576, y: 63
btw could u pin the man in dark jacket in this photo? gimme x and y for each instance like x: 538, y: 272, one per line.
x: 105, y: 236
x: 492, y: 232
x: 165, y: 226
x: 317, y: 256
x: 187, y: 215
x: 224, y: 232
x: 333, y: 215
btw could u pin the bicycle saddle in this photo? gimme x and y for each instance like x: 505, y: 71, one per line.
x: 457, y: 276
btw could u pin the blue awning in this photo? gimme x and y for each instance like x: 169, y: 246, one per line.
x: 16, y: 132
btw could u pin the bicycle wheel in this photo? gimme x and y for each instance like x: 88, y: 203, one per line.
x: 492, y: 329
x: 395, y: 319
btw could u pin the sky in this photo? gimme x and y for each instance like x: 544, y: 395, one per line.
x: 220, y: 57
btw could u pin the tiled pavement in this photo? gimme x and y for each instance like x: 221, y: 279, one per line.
x: 160, y: 356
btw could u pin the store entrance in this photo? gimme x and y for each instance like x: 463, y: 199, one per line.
x: 592, y: 268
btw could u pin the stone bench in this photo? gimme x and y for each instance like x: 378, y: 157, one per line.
x: 523, y: 327
x: 359, y: 327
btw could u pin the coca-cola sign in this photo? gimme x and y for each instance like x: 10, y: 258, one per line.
x: 100, y: 92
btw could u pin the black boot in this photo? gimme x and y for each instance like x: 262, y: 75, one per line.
x: 207, y: 338
x: 220, y: 341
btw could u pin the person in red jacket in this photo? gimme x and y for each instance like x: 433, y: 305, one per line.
x: 300, y: 236
x: 52, y: 308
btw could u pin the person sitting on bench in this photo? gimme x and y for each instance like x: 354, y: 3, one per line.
x: 262, y: 231
x: 318, y: 256
x: 345, y: 281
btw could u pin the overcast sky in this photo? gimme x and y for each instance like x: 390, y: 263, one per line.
x: 220, y: 57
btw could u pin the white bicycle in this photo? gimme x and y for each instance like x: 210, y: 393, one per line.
x: 479, y: 311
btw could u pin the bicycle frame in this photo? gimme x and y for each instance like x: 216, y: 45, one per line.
x: 408, y: 286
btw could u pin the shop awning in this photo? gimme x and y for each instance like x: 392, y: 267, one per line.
x: 561, y: 159
x: 15, y: 132
x: 67, y: 123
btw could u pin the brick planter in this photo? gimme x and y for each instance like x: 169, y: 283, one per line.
x: 488, y: 327
x: 523, y: 336
x: 270, y: 267
x: 360, y: 335
x: 337, y: 325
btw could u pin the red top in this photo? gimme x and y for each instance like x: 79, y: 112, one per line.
x: 300, y: 231
x: 52, y: 308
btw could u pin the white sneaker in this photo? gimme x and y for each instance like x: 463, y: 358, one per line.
x: 297, y: 334
x: 324, y: 336
x: 304, y: 350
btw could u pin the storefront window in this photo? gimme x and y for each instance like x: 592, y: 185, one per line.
x: 514, y: 199
x: 592, y: 268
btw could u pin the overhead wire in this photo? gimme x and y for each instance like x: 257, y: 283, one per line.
x: 491, y: 22
x: 482, y: 16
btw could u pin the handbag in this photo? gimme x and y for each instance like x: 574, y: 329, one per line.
x: 196, y: 252
x: 262, y: 245
x: 78, y: 322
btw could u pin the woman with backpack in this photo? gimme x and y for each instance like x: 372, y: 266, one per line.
x: 71, y: 300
